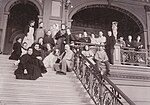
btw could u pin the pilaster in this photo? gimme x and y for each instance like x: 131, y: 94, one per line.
x: 117, y: 56
x: 5, y: 18
x: 147, y: 10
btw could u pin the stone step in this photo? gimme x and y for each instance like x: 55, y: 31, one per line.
x: 131, y: 68
x: 51, y: 89
x: 129, y: 72
x: 53, y: 102
x: 136, y: 90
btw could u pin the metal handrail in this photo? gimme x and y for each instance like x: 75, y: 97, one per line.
x: 133, y: 56
x: 128, y: 55
x: 90, y: 44
x: 99, y: 81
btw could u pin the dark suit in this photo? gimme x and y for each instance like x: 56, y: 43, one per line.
x: 48, y: 39
x: 66, y: 61
x: 110, y: 43
x: 130, y: 44
x: 61, y: 37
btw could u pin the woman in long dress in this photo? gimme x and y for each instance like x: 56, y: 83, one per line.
x: 40, y: 31
x: 50, y: 60
x: 29, y: 33
x: 15, y: 55
x: 28, y: 67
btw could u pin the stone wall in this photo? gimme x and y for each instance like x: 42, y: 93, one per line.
x: 135, y: 7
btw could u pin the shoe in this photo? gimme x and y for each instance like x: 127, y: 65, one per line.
x: 60, y: 73
x: 63, y: 73
x: 44, y: 72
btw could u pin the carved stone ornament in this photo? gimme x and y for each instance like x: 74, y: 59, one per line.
x: 147, y: 8
x: 0, y: 3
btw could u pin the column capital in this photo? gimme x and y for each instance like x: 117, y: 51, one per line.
x: 40, y: 17
x: 147, y: 8
x: 6, y: 13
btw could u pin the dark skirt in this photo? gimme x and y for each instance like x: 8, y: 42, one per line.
x: 60, y: 45
x: 33, y: 72
x: 14, y: 56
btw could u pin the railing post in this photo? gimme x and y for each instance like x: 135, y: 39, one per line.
x: 91, y: 83
x: 117, y: 54
x: 101, y: 92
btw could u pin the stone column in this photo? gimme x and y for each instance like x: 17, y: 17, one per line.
x: 146, y: 39
x: 5, y: 18
x: 46, y: 13
x: 69, y: 23
x: 117, y: 54
x: 147, y: 9
x: 64, y: 12
x: 40, y: 18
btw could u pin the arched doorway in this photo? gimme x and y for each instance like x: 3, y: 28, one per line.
x: 94, y: 18
x: 19, y: 16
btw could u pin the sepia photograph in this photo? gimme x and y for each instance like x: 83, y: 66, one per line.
x: 74, y: 52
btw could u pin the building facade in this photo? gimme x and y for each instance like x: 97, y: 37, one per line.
x: 133, y: 17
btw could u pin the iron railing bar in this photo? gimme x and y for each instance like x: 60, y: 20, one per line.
x: 103, y: 76
x: 111, y: 83
x: 119, y: 91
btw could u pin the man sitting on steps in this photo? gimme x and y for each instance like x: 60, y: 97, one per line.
x: 65, y: 61
x: 101, y: 57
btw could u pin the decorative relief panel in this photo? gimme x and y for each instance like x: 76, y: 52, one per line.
x: 41, y: 1
x: 56, y: 9
x: 147, y: 8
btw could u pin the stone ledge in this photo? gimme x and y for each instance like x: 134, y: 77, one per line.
x: 129, y: 72
x: 129, y: 77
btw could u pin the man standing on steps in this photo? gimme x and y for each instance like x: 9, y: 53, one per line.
x: 110, y: 43
x: 65, y: 61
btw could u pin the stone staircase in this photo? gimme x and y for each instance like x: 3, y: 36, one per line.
x: 134, y: 81
x: 51, y: 89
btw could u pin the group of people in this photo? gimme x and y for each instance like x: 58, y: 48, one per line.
x: 108, y: 42
x: 105, y: 53
x: 97, y: 59
x: 40, y: 49
x: 130, y: 43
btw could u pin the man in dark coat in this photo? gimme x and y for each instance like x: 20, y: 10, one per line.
x: 70, y: 38
x: 129, y: 42
x: 61, y: 39
x: 110, y: 43
x: 48, y: 39
x: 86, y: 38
x: 37, y: 54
